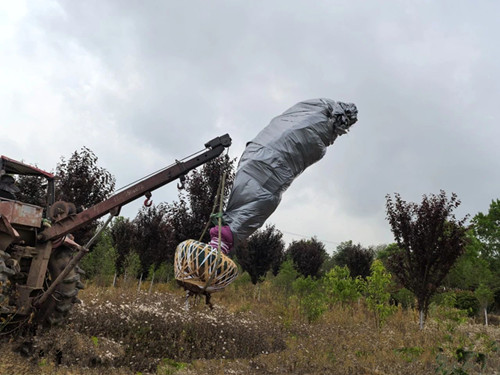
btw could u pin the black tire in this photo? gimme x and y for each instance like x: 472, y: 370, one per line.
x: 56, y: 308
x: 5, y: 273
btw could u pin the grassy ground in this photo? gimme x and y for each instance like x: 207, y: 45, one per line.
x: 250, y: 331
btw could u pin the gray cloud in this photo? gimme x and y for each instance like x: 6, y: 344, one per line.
x: 143, y: 83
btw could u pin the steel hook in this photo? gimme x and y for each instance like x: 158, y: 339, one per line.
x: 148, y: 202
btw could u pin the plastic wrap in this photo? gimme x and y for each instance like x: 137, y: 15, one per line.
x: 277, y: 155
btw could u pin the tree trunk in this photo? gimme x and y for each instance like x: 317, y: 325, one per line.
x: 421, y: 313
x: 485, y: 317
x: 139, y: 286
x: 152, y: 281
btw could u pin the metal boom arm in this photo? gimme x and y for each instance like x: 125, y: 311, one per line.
x: 215, y: 147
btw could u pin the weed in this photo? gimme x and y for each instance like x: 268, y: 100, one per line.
x: 169, y: 367
x: 410, y: 354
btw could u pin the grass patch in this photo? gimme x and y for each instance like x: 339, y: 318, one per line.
x: 122, y: 331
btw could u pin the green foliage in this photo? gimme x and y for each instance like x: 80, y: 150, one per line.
x: 405, y: 298
x: 484, y: 295
x: 163, y: 273
x: 312, y: 299
x: 377, y: 294
x: 285, y: 278
x: 100, y: 263
x: 461, y: 363
x: 410, y: 354
x: 241, y: 281
x: 169, y: 367
x: 132, y: 265
x: 487, y: 230
x: 471, y: 269
x: 387, y: 252
x: 465, y: 300
x: 446, y: 299
x: 341, y: 287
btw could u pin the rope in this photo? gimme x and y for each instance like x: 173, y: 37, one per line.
x: 219, y: 252
x: 202, y: 265
x: 195, y: 262
x: 217, y: 197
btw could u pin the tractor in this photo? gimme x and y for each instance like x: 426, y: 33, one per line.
x: 39, y: 273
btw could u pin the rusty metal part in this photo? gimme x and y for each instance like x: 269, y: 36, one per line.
x: 36, y: 276
x: 7, y: 233
x: 22, y: 213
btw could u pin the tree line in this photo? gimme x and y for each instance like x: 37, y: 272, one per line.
x: 433, y: 251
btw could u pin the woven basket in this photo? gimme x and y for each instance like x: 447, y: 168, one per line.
x: 199, y: 264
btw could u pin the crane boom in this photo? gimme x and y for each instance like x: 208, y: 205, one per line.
x: 60, y: 228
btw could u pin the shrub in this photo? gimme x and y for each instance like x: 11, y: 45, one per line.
x: 405, y: 298
x: 312, y: 300
x: 99, y: 264
x: 340, y: 286
x: 285, y: 278
x: 132, y: 266
x: 465, y: 300
x: 376, y: 293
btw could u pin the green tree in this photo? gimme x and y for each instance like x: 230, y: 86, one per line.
x: 377, y: 293
x: 164, y: 272
x: 307, y: 256
x: 341, y: 287
x: 487, y: 230
x: 485, y: 296
x: 262, y: 249
x: 285, y: 278
x: 357, y: 258
x: 312, y: 299
x: 470, y: 269
x: 132, y: 266
x: 100, y: 263
x: 429, y: 241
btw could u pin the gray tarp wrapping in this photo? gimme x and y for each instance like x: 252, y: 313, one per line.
x: 280, y: 152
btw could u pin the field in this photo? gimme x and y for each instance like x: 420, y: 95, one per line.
x: 250, y: 331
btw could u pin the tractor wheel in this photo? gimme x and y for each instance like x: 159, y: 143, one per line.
x: 5, y: 273
x: 55, y: 309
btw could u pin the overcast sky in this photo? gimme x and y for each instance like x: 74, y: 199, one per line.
x: 142, y: 83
